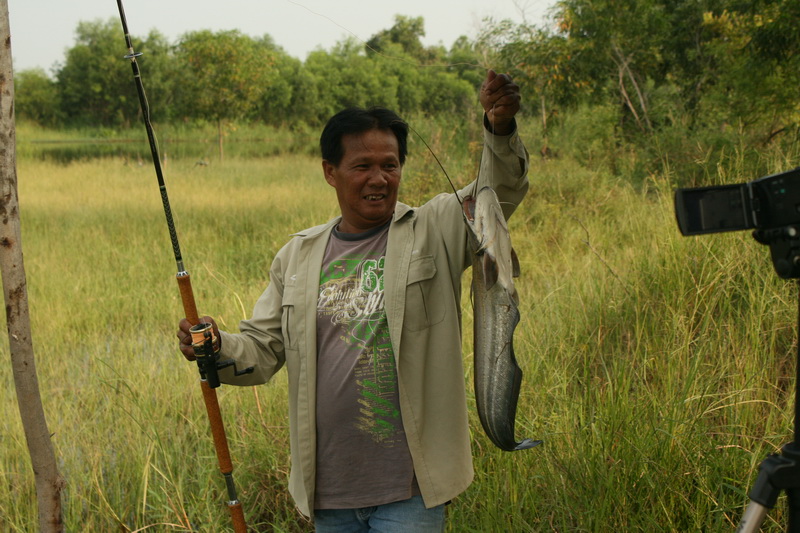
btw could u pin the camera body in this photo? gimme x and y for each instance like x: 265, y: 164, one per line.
x: 766, y: 203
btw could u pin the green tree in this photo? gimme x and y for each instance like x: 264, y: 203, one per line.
x: 775, y: 43
x: 618, y: 44
x: 96, y: 85
x: 464, y: 59
x: 158, y: 67
x: 95, y: 82
x: 309, y: 98
x: 542, y: 63
x: 445, y: 93
x: 758, y: 60
x: 276, y: 105
x: 222, y: 75
x: 346, y: 77
x: 687, y: 61
x: 406, y: 34
x: 37, y: 98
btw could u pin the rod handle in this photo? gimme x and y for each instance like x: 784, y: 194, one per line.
x: 187, y: 297
x: 223, y: 456
x: 237, y: 517
x: 217, y: 428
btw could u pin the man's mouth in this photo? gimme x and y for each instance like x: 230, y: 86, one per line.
x: 374, y: 197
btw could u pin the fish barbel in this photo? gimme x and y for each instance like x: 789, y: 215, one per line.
x: 496, y: 314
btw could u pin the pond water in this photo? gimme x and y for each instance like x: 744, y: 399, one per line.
x: 139, y: 150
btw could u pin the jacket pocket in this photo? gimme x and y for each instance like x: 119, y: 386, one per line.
x: 424, y: 302
x: 288, y: 311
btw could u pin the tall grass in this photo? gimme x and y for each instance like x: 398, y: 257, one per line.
x: 658, y: 369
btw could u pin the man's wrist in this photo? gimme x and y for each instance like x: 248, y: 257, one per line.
x: 501, y: 129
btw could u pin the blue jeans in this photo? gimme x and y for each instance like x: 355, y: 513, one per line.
x: 399, y: 517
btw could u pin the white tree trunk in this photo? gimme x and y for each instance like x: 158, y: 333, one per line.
x: 49, y: 483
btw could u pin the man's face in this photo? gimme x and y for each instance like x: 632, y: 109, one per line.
x: 366, y: 179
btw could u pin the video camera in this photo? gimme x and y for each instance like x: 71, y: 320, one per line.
x: 769, y: 205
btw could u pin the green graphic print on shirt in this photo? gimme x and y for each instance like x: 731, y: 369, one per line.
x: 351, y: 295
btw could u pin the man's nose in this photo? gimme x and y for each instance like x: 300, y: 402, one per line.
x: 377, y: 176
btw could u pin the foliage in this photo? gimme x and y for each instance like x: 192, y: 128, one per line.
x: 406, y: 33
x: 228, y: 76
x: 37, y: 98
x: 672, y: 80
x: 690, y: 69
x: 464, y: 60
x: 403, y: 41
x: 758, y: 67
x: 276, y: 103
x: 95, y: 84
x: 345, y: 77
x: 221, y: 75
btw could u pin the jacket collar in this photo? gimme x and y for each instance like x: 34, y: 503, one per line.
x: 401, y: 211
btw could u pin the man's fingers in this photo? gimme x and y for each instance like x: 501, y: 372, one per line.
x: 506, y: 94
x: 185, y: 340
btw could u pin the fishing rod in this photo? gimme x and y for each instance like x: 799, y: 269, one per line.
x: 203, y: 340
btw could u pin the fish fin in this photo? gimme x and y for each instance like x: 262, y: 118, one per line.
x: 527, y: 444
x: 515, y: 269
x: 490, y: 271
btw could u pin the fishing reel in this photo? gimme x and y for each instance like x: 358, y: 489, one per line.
x: 206, y: 350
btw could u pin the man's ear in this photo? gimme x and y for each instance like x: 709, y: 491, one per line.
x: 327, y: 170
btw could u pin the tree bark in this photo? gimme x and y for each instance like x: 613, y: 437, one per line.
x: 49, y: 484
x: 623, y: 69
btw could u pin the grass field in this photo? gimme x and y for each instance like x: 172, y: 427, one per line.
x: 659, y: 370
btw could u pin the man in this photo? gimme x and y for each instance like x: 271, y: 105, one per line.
x: 364, y: 311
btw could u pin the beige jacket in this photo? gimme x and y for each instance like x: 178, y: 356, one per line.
x: 426, y: 255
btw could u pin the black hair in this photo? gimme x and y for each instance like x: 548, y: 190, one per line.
x: 354, y: 120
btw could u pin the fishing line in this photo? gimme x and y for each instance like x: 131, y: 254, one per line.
x: 492, y: 141
x: 446, y: 175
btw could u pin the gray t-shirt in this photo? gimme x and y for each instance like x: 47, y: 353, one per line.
x: 362, y: 453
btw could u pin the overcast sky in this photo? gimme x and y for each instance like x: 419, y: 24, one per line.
x: 41, y: 30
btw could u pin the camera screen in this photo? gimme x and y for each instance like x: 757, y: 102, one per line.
x: 712, y: 209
